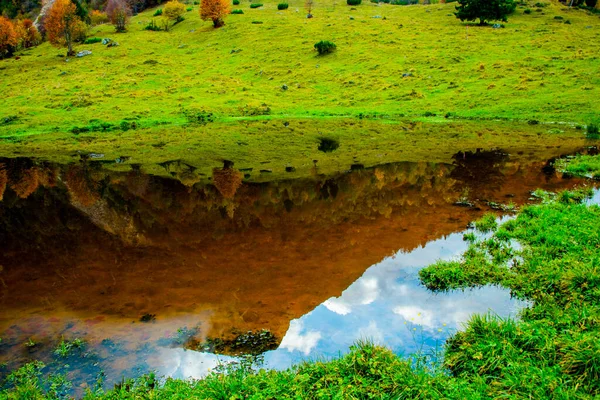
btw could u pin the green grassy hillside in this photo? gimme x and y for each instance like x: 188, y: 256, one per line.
x: 536, y: 68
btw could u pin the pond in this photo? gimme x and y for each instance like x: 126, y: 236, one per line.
x: 135, y: 272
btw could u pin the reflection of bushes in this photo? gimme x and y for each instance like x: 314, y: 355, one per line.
x: 3, y: 180
x: 82, y: 189
x: 254, y: 343
x: 227, y: 181
x: 26, y: 183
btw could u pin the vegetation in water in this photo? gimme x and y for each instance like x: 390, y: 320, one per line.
x: 581, y: 165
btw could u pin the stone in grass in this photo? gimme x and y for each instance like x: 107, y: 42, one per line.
x: 84, y: 53
x: 106, y: 41
x: 112, y: 44
x: 284, y: 87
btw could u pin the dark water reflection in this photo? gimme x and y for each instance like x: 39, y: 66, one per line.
x: 158, y: 275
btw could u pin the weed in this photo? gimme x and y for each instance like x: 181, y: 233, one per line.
x: 65, y: 348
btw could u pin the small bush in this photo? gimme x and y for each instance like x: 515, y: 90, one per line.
x: 256, y: 5
x: 593, y: 131
x: 237, y: 11
x: 158, y: 12
x: 353, y: 2
x: 189, y: 9
x: 282, y: 6
x: 152, y: 26
x: 527, y: 11
x: 327, y: 145
x: 92, y: 40
x: 558, y: 17
x: 236, y: 2
x: 325, y: 47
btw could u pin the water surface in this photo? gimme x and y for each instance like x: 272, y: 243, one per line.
x: 158, y: 273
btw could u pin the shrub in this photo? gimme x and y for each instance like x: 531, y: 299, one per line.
x: 158, y: 12
x: 325, y: 47
x: 527, y: 11
x: 256, y: 5
x: 591, y: 3
x: 484, y: 10
x: 236, y: 2
x: 237, y: 11
x: 92, y: 40
x: 593, y: 131
x: 189, y: 9
x: 282, y: 6
x: 353, y: 2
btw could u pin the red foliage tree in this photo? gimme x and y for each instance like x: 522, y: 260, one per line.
x: 118, y: 12
x: 214, y: 10
x: 62, y: 24
x: 8, y: 37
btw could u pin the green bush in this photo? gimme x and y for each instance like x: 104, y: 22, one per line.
x: 158, y: 12
x: 236, y: 2
x: 256, y: 5
x: 593, y: 131
x: 527, y: 11
x: 282, y: 6
x: 189, y: 9
x: 152, y: 26
x: 484, y: 10
x: 353, y: 2
x: 92, y: 40
x: 325, y: 47
x: 237, y: 11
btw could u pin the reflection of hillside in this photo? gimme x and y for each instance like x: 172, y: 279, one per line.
x: 108, y: 247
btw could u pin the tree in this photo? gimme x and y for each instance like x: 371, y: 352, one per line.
x: 118, y: 12
x: 97, y: 17
x: 8, y: 37
x: 214, y: 10
x: 484, y: 10
x: 309, y: 4
x: 27, y: 34
x: 63, y: 25
x: 173, y: 11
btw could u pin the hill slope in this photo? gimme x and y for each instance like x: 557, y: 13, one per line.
x: 537, y: 67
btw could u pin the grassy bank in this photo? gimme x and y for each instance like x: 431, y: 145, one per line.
x: 551, y: 352
x: 415, y: 62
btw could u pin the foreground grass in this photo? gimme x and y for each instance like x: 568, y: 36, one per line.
x: 552, y: 352
x: 391, y: 61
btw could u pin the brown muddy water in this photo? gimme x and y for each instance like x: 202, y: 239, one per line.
x: 156, y: 275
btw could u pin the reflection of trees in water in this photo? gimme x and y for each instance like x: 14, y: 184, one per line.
x: 479, y: 172
x: 227, y: 181
x: 24, y: 177
x: 82, y: 188
x: 3, y: 180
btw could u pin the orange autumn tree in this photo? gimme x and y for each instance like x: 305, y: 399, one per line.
x: 27, y: 34
x: 8, y: 37
x: 214, y: 10
x: 62, y: 25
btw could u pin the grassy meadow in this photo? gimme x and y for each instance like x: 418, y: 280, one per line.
x: 393, y: 62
